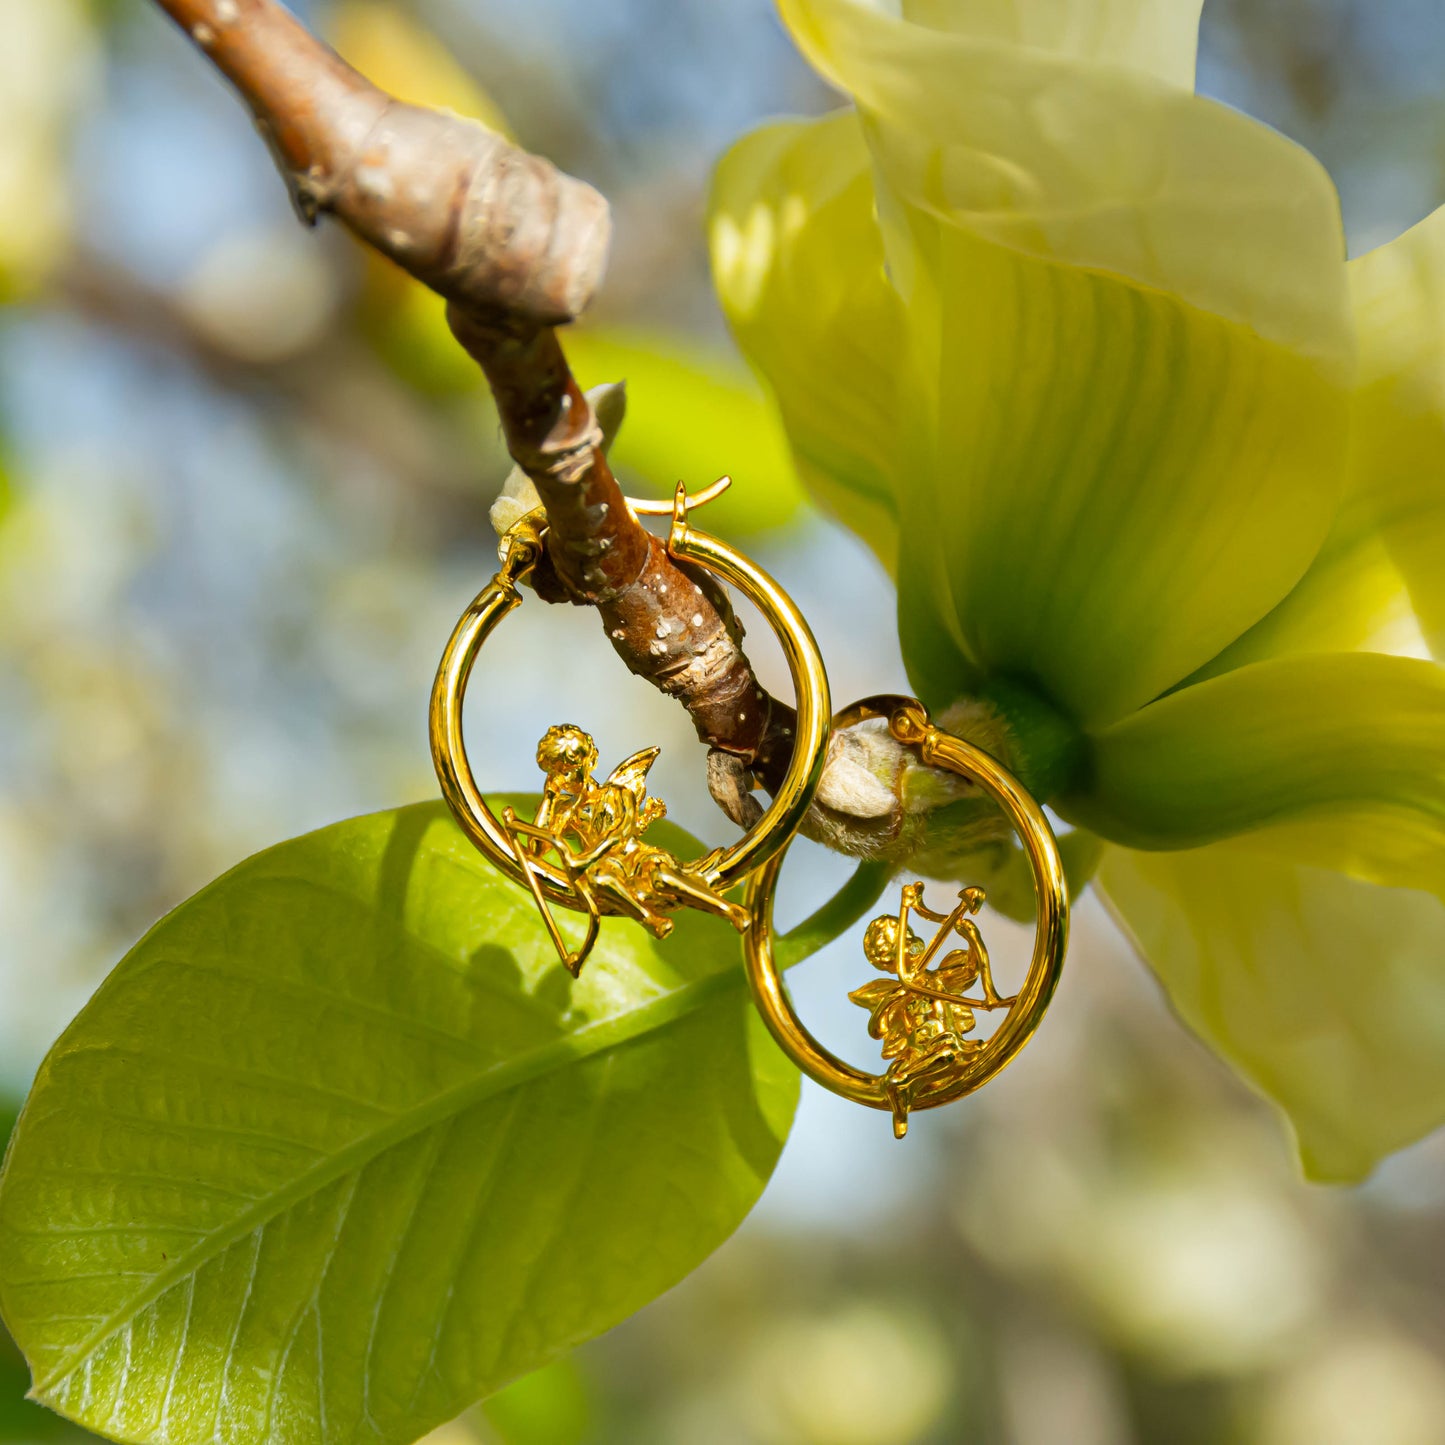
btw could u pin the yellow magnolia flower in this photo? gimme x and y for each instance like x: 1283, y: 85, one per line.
x: 1079, y: 354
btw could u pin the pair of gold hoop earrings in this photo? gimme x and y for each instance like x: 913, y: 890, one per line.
x: 584, y: 851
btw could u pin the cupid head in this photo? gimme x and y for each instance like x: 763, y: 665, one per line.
x: 567, y: 754
x: 880, y: 943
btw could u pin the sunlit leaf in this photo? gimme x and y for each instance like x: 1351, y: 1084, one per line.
x: 20, y: 1419
x: 340, y: 1148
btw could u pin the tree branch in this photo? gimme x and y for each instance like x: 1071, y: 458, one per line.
x: 496, y: 231
x: 517, y: 248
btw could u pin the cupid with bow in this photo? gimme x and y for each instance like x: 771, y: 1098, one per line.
x: 922, y: 1012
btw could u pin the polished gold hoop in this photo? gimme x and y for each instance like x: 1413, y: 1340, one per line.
x: 923, y: 1014
x: 519, y: 849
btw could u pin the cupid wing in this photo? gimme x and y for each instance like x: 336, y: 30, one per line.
x: 880, y: 998
x: 632, y: 774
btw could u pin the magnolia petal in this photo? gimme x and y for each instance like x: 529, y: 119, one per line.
x: 1130, y: 344
x: 1326, y: 993
x: 798, y: 264
x: 1352, y: 599
x: 1398, y: 460
x: 1342, y: 756
x: 1378, y: 583
x: 1146, y: 483
x: 1157, y: 37
x: 1066, y: 158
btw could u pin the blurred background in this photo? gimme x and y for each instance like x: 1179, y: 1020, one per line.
x: 244, y: 479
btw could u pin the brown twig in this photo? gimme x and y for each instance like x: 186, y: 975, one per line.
x: 669, y: 625
x: 517, y: 248
x: 496, y: 231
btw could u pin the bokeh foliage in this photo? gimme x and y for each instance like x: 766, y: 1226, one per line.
x: 235, y: 547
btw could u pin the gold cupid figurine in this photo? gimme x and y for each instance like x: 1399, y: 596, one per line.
x: 584, y: 850
x: 595, y: 830
x: 922, y: 1013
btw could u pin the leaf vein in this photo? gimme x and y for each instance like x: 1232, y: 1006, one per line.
x: 558, y: 1053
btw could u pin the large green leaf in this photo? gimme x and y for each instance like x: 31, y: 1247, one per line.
x: 20, y: 1420
x: 339, y: 1147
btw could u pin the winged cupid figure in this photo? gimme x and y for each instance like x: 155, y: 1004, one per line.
x: 922, y: 1011
x: 595, y: 829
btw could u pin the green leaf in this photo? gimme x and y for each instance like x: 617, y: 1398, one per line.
x: 339, y: 1147
x: 20, y: 1420
x: 1326, y: 993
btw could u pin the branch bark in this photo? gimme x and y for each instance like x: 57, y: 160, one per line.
x: 518, y: 248
x: 496, y: 231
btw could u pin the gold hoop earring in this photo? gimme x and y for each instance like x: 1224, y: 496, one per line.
x: 584, y: 851
x: 925, y: 1009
